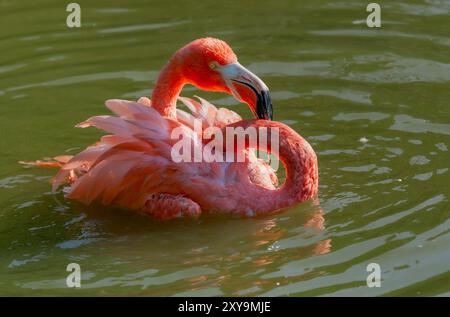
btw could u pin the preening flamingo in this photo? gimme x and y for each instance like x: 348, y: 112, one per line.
x: 133, y: 168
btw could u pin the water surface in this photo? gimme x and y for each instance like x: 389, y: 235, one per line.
x: 374, y: 103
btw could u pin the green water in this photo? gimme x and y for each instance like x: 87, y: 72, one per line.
x: 374, y: 103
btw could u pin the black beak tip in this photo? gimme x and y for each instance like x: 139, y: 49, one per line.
x: 264, y: 109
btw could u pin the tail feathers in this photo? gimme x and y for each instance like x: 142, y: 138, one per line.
x: 57, y: 161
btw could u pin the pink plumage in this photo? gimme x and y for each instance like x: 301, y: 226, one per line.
x: 132, y: 166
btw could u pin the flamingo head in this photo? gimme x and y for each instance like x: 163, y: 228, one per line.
x: 210, y: 64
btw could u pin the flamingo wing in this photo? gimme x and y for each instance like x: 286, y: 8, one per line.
x: 132, y: 162
x: 133, y: 167
x: 206, y: 112
x: 209, y: 115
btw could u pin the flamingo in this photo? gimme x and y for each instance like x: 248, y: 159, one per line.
x: 132, y: 167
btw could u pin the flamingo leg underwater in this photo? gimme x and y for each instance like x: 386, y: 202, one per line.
x: 167, y: 206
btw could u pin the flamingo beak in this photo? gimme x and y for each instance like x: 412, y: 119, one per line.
x: 247, y: 87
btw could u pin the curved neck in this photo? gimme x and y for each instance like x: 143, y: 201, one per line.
x: 300, y: 163
x: 302, y: 176
x: 168, y: 87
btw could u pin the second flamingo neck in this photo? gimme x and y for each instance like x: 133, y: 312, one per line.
x: 167, y: 89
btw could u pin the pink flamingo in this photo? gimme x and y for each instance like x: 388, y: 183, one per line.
x: 133, y: 168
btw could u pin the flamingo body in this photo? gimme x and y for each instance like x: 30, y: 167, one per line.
x: 132, y: 166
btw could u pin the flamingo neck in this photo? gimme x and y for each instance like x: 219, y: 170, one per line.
x: 168, y: 87
x: 300, y: 162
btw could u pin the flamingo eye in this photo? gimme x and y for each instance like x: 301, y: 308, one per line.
x: 213, y: 65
